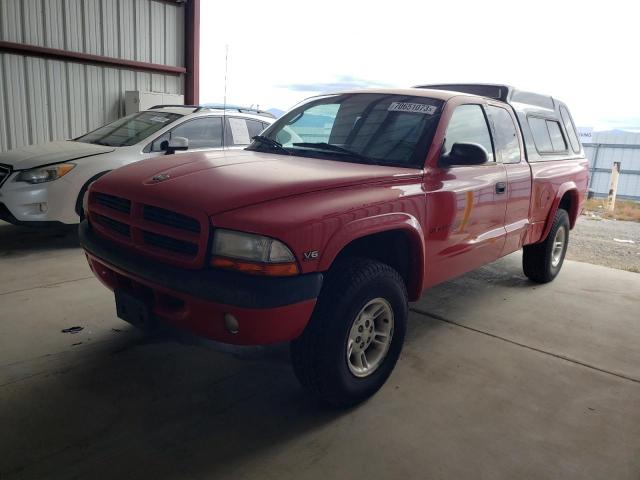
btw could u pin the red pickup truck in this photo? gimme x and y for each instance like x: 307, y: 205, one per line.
x: 344, y: 210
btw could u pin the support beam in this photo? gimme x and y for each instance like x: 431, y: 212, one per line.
x: 192, y: 53
x: 86, y: 58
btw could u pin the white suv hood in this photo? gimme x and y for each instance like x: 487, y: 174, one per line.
x: 52, y: 152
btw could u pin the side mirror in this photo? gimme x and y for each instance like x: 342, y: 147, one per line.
x: 464, y: 154
x: 175, y: 144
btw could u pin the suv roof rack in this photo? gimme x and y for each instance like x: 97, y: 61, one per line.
x: 505, y: 93
x: 219, y: 106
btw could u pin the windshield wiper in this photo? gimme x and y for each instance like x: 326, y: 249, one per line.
x: 272, y: 143
x: 337, y: 149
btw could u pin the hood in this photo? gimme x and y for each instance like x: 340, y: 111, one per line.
x: 51, y: 152
x: 219, y: 181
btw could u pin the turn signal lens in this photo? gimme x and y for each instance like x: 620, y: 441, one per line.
x: 255, y: 268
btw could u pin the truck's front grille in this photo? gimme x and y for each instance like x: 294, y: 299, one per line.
x: 169, y: 243
x: 114, y: 225
x: 170, y: 236
x: 171, y: 219
x: 111, y: 201
x: 5, y: 171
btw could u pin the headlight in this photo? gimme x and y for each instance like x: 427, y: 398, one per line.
x: 45, y: 174
x: 251, y: 253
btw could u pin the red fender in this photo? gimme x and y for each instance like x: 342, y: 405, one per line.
x: 379, y: 224
x: 573, y: 214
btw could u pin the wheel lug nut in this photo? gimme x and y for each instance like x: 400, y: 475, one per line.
x: 371, y: 328
x: 366, y: 324
x: 358, y: 339
x: 360, y: 328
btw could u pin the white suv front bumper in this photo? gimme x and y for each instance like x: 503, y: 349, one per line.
x: 53, y: 201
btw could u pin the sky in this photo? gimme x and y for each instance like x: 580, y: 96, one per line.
x: 280, y: 52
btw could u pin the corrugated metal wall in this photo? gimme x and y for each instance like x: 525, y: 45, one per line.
x: 609, y: 147
x: 43, y: 99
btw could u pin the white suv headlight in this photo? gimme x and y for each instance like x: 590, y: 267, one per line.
x: 252, y: 253
x: 45, y: 174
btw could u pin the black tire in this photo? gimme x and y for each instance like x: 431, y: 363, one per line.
x: 537, y: 259
x: 319, y: 355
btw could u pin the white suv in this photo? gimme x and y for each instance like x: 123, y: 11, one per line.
x: 44, y: 184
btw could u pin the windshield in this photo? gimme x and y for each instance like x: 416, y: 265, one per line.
x: 129, y: 130
x: 370, y: 128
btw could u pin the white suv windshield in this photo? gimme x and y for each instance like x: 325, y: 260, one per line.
x: 363, y: 127
x: 130, y: 130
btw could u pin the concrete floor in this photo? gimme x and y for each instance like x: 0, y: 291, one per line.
x: 499, y: 378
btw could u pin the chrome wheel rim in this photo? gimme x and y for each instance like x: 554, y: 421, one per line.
x: 558, y: 246
x: 370, y: 337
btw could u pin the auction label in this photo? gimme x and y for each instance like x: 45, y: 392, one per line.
x: 412, y: 108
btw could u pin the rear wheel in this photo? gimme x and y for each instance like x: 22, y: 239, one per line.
x: 355, y: 335
x: 542, y: 261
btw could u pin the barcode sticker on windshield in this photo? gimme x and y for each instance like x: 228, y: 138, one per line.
x: 159, y: 119
x: 412, y: 108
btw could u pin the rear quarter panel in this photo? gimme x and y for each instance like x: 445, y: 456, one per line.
x: 551, y: 180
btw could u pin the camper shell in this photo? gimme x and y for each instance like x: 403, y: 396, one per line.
x: 534, y: 112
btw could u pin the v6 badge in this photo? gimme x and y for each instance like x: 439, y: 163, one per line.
x: 311, y: 255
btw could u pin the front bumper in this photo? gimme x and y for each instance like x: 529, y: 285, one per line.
x: 43, y: 204
x: 268, y: 310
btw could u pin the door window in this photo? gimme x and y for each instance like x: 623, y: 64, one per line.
x: 203, y: 132
x: 506, y: 136
x: 468, y: 124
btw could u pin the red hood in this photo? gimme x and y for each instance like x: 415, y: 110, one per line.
x: 215, y: 182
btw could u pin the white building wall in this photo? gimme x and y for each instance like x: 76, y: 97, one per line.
x: 609, y: 147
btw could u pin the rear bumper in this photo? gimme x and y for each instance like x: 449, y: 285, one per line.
x: 268, y: 310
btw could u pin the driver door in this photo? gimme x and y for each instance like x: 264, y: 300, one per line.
x: 465, y: 204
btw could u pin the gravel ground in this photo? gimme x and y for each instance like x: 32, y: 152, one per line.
x: 592, y: 241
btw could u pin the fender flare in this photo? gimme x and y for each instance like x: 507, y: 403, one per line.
x: 573, y: 214
x: 386, y: 222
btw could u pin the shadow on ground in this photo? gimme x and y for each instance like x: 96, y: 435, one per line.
x: 460, y: 404
x: 160, y: 409
x: 16, y: 240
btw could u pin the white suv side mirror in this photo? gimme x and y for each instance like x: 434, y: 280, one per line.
x: 175, y: 144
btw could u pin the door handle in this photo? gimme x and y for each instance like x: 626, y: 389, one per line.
x: 501, y: 187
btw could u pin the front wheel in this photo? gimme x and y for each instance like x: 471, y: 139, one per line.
x: 542, y: 261
x: 355, y: 335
